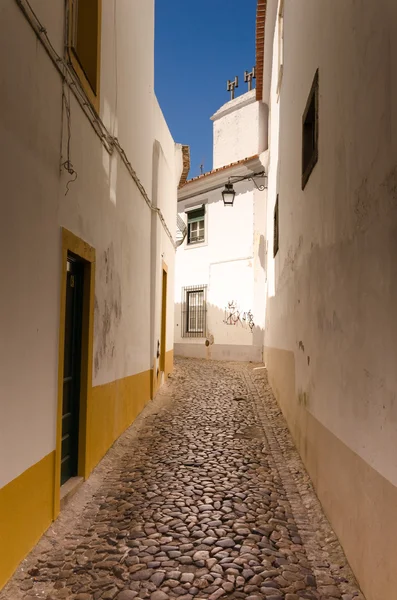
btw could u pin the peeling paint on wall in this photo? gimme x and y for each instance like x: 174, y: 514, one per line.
x: 365, y: 207
x: 303, y: 399
x: 328, y: 324
x: 390, y: 183
x: 107, y: 309
x: 262, y: 252
x: 291, y: 260
x: 368, y: 204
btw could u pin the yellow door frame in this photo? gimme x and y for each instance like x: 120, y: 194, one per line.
x: 74, y: 244
x: 163, y: 338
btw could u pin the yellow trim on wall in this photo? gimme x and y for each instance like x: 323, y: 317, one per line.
x: 169, y: 362
x: 169, y: 367
x: 348, y: 495
x: 26, y: 510
x: 28, y: 503
x: 163, y: 325
x: 74, y: 244
x: 114, y: 407
x: 166, y: 359
x: 87, y: 352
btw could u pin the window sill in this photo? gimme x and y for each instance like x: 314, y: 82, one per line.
x: 82, y: 80
x: 308, y: 171
x: 196, y: 245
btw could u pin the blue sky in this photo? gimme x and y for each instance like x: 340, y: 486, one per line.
x: 198, y: 47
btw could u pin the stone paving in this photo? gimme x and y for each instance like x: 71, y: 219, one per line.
x: 204, y: 497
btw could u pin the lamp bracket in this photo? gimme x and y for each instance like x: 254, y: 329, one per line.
x: 250, y: 177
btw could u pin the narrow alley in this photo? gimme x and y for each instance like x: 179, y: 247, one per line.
x: 203, y: 497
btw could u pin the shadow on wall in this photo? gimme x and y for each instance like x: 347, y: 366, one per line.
x: 230, y: 334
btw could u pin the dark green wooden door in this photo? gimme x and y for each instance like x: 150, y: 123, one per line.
x: 72, y: 369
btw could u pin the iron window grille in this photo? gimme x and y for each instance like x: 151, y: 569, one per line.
x: 196, y: 226
x: 194, y: 311
x: 310, y: 132
x: 276, y: 228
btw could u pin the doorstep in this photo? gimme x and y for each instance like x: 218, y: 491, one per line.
x: 69, y: 488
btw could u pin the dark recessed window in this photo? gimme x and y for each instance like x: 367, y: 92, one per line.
x: 194, y: 311
x: 276, y: 228
x: 84, y: 42
x: 310, y: 133
x: 196, y: 226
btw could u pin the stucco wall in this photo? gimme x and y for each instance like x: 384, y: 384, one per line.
x: 231, y: 260
x: 167, y: 168
x: 331, y: 326
x: 104, y: 207
x: 239, y: 130
x: 30, y: 237
x: 227, y: 263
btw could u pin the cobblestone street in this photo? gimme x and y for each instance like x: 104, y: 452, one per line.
x: 203, y: 497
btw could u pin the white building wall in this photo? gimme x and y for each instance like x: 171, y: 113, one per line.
x: 231, y: 261
x: 260, y: 252
x: 226, y: 263
x: 103, y: 206
x: 331, y: 325
x: 239, y: 130
x: 166, y: 177
x: 29, y: 301
x: 131, y: 108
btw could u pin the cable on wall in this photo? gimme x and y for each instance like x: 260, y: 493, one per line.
x: 70, y: 80
x: 67, y: 164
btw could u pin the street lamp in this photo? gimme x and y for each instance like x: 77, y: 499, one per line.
x: 228, y: 192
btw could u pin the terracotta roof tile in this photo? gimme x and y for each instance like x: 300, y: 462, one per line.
x: 186, y: 165
x: 233, y: 164
x: 260, y: 46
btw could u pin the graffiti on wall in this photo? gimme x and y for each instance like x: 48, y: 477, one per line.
x: 234, y: 316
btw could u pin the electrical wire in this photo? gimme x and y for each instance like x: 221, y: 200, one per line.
x: 67, y: 164
x: 70, y: 79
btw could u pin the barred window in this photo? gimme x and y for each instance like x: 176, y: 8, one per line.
x: 194, y: 311
x: 196, y: 226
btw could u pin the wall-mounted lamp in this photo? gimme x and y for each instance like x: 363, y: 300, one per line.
x: 228, y: 192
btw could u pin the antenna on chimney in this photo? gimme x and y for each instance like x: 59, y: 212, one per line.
x: 248, y: 77
x: 231, y: 86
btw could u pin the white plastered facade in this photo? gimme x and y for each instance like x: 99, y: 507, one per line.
x: 230, y: 261
x: 330, y: 324
x: 104, y: 207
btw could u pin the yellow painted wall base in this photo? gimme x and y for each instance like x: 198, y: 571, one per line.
x: 113, y: 408
x: 169, y: 367
x: 27, y: 502
x: 169, y: 362
x: 26, y: 511
x: 359, y: 502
